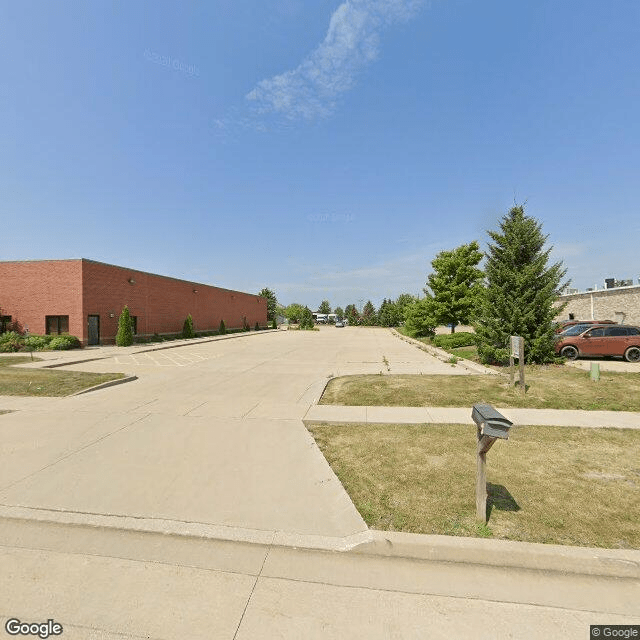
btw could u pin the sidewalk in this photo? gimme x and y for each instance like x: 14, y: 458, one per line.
x: 398, y: 585
x: 339, y: 414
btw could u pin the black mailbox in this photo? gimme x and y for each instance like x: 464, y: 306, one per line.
x: 490, y: 422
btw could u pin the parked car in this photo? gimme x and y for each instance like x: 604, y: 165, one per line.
x: 565, y: 324
x: 603, y: 340
x: 574, y: 330
x: 339, y: 323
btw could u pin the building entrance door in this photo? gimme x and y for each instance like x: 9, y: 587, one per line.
x: 94, y: 330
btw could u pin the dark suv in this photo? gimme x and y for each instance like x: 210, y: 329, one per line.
x: 602, y: 340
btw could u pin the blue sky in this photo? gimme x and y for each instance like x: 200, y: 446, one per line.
x: 325, y: 149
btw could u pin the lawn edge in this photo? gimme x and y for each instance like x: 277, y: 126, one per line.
x: 104, y: 385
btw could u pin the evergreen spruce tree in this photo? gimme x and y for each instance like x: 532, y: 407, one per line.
x: 369, y: 315
x: 124, y: 337
x: 352, y: 315
x: 306, y: 319
x: 222, y: 329
x: 389, y: 316
x: 187, y: 328
x: 520, y: 291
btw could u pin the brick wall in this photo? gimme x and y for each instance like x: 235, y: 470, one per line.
x: 31, y: 290
x: 621, y: 304
x: 161, y: 304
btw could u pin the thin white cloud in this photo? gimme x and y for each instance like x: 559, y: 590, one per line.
x: 310, y: 90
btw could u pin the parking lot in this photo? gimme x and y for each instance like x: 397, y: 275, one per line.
x: 209, y: 433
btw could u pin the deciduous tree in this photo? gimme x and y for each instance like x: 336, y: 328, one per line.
x: 324, y: 307
x: 455, y: 284
x: 272, y: 302
x: 419, y: 319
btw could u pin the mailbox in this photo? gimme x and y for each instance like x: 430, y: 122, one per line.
x: 490, y: 422
x: 491, y: 425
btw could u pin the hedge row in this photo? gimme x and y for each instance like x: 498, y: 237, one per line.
x: 11, y: 342
x: 453, y: 340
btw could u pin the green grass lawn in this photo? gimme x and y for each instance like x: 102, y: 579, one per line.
x: 45, y: 382
x: 552, y: 485
x: 548, y: 387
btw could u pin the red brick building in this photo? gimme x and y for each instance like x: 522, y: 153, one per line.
x: 84, y: 298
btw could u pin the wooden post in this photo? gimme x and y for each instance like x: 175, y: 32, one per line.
x: 521, y: 365
x: 481, y: 486
x: 484, y: 444
x: 517, y: 351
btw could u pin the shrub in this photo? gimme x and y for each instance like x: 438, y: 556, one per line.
x: 453, y: 340
x: 274, y: 324
x: 419, y: 320
x: 10, y: 342
x: 222, y: 330
x: 37, y: 343
x: 257, y: 327
x: 61, y: 343
x: 124, y: 337
x: 187, y: 328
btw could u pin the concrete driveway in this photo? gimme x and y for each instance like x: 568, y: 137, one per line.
x: 210, y: 436
x: 171, y: 507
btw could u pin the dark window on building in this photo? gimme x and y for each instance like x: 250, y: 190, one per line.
x: 55, y: 325
x: 5, y: 323
x: 134, y: 324
x: 572, y: 316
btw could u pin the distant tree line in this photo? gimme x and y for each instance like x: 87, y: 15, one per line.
x: 515, y: 294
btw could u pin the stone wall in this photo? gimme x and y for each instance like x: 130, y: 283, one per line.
x: 621, y: 304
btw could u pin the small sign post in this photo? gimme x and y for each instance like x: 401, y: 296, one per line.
x: 517, y: 351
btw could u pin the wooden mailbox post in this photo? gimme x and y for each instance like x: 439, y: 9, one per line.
x: 491, y: 425
x: 517, y: 351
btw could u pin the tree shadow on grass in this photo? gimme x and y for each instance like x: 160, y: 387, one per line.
x: 498, y: 496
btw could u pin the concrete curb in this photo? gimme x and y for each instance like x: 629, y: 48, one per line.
x: 445, y: 356
x: 616, y: 563
x: 105, y: 385
x: 199, y: 530
x: 160, y: 347
x: 606, y: 563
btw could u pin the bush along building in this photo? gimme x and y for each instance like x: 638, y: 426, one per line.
x: 84, y: 298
